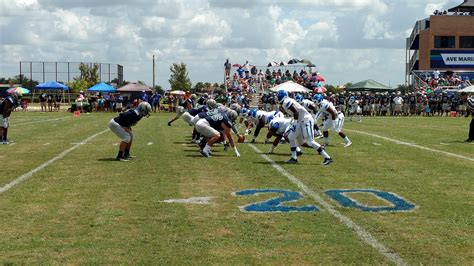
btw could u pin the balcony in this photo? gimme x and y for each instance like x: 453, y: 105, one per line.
x: 413, y: 64
x: 414, y: 40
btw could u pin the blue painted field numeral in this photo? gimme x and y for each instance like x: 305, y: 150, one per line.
x: 275, y: 204
x: 397, y: 203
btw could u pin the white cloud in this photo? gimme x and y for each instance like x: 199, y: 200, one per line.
x: 347, y: 39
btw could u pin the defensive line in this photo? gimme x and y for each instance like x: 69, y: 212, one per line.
x: 413, y: 145
x: 360, y: 232
x: 26, y: 176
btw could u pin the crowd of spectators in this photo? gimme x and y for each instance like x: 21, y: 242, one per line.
x: 447, y: 13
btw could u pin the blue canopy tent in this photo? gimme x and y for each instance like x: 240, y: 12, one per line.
x: 102, y: 87
x: 52, y: 85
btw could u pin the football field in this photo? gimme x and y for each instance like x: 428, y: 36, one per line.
x: 403, y: 193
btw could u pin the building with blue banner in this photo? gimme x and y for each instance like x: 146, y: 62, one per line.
x: 443, y: 42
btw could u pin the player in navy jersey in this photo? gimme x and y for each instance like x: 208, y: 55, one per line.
x: 6, y: 107
x: 122, y: 127
x: 212, y: 124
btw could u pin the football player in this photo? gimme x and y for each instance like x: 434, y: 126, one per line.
x: 260, y: 119
x: 122, y: 127
x: 302, y: 128
x: 187, y: 105
x: 8, y: 104
x: 279, y: 127
x: 354, y: 108
x: 312, y: 109
x: 333, y: 119
x: 211, y: 125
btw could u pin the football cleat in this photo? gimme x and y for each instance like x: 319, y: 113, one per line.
x: 348, y: 144
x: 292, y: 161
x: 327, y: 161
x: 122, y: 160
x: 205, y: 154
x: 299, y: 153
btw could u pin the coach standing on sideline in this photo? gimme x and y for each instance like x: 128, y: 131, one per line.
x: 122, y: 127
x: 6, y: 107
x: 469, y: 100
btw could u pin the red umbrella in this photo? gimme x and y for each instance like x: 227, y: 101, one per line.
x: 320, y: 90
x: 236, y: 65
x: 320, y: 78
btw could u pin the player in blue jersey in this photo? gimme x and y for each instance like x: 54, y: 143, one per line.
x: 122, y: 127
x: 8, y: 104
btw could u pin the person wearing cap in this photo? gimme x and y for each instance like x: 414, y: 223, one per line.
x: 6, y: 107
x: 79, y: 101
x: 469, y: 100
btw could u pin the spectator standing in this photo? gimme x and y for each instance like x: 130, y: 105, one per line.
x: 43, y: 97
x: 470, y: 106
x: 50, y: 102
x: 119, y: 103
x: 227, y: 67
x: 57, y: 101
x: 156, y: 98
x: 246, y: 67
x: 80, y: 101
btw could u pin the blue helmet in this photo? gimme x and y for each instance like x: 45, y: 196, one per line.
x: 253, y: 113
x: 317, y: 98
x: 281, y: 95
x: 299, y: 98
x: 273, y: 125
x: 244, y: 111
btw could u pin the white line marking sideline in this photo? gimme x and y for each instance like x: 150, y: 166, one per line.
x: 360, y: 232
x: 25, y: 176
x: 412, y: 145
x: 41, y: 121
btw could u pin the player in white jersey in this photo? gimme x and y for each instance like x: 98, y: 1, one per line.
x: 312, y: 109
x: 302, y: 128
x: 354, y: 108
x: 279, y: 127
x: 333, y: 119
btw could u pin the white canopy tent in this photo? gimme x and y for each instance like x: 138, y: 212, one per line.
x: 290, y: 86
x: 468, y: 89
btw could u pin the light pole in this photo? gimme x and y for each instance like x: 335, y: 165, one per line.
x: 153, y: 71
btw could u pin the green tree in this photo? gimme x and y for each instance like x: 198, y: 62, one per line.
x: 199, y: 87
x: 88, y: 78
x: 159, y: 89
x: 179, y: 79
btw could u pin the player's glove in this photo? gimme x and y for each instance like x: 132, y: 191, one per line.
x: 236, y: 152
x: 226, y: 147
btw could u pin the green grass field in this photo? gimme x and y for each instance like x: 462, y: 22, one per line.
x: 84, y: 207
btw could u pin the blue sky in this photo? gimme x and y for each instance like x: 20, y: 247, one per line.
x: 348, y: 40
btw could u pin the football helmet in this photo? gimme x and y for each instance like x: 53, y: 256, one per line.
x: 282, y: 95
x: 232, y: 114
x: 211, y: 103
x: 317, y: 98
x: 273, y: 125
x: 144, y: 109
x: 253, y: 113
x: 299, y: 98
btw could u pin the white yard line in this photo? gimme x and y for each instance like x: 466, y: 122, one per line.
x: 40, y: 121
x: 412, y: 145
x: 25, y: 176
x: 360, y: 232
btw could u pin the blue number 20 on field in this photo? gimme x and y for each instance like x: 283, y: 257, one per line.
x: 275, y: 204
x: 397, y: 204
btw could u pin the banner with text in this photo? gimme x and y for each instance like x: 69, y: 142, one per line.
x: 452, y: 59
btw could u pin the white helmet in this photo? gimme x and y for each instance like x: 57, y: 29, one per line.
x: 144, y: 109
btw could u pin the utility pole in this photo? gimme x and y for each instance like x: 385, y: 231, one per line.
x: 153, y: 71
